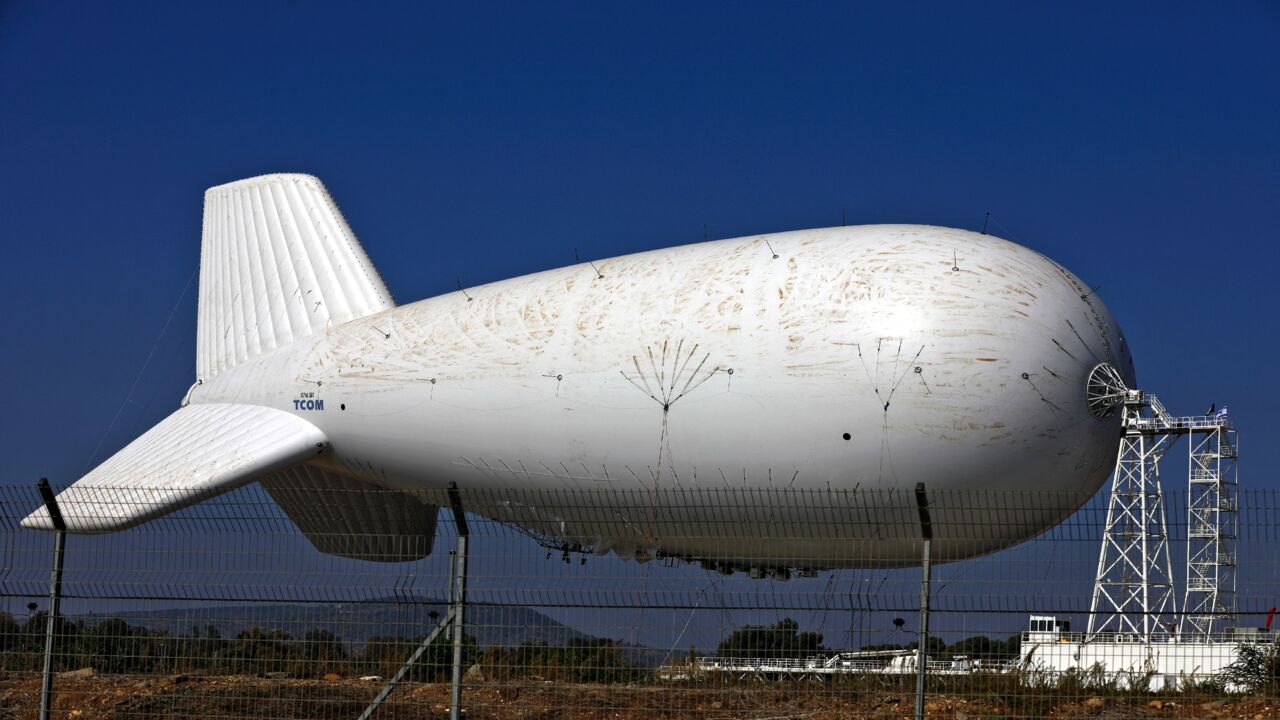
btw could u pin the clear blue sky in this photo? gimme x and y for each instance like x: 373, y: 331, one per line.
x: 1139, y: 146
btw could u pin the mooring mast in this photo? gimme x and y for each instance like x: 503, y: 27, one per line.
x: 1133, y: 593
x: 1134, y: 586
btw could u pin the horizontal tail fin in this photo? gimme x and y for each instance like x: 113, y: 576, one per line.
x: 190, y: 456
x: 278, y: 262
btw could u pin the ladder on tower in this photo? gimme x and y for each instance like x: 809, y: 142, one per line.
x: 1211, y: 530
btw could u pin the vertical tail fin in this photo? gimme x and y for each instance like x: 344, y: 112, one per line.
x: 278, y: 262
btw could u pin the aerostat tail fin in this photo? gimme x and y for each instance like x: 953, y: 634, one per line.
x: 352, y: 519
x: 194, y: 454
x: 278, y: 262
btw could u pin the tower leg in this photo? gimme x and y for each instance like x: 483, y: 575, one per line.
x: 1133, y: 589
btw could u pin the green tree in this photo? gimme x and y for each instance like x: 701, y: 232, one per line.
x: 322, y: 646
x: 384, y: 654
x: 983, y: 647
x: 10, y: 633
x: 783, y: 640
x: 259, y: 650
x: 1256, y: 667
x: 320, y: 652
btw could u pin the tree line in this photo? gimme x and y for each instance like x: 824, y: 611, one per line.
x: 118, y: 647
x: 785, y: 639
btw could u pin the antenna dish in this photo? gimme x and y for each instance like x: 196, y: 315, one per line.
x: 1104, y: 391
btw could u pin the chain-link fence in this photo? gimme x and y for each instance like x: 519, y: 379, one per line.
x: 694, y: 602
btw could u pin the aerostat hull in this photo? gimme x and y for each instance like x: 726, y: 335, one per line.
x: 767, y: 401
x: 713, y: 379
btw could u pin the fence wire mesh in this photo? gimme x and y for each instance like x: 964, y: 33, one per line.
x: 609, y: 604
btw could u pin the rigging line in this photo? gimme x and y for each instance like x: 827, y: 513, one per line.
x: 884, y: 439
x: 641, y: 389
x: 635, y: 476
x: 863, y: 361
x: 701, y: 596
x: 877, y: 383
x: 671, y: 463
x: 927, y: 390
x: 509, y: 470
x: 867, y: 595
x: 657, y: 476
x: 1063, y: 349
x: 675, y: 368
x: 1008, y: 234
x: 852, y: 609
x: 696, y: 370
x: 638, y: 607
x: 189, y: 371
x: 903, y: 376
x: 128, y: 396
x: 1027, y: 377
x: 662, y: 379
x: 1053, y: 556
x: 717, y: 586
x: 525, y: 470
x: 828, y: 599
x: 640, y: 374
x: 654, y: 366
x: 1082, y: 342
x: 683, y: 367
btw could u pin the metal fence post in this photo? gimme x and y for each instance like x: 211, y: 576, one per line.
x: 55, y: 594
x: 459, y: 602
x: 404, y: 670
x: 922, y: 652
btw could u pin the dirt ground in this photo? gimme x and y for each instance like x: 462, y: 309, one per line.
x: 115, y: 697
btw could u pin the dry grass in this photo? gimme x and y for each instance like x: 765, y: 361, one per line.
x: 117, y: 697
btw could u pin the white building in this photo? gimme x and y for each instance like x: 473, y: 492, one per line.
x: 1050, y: 647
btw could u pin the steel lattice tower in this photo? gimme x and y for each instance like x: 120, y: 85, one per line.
x: 1133, y: 593
x: 1211, y: 529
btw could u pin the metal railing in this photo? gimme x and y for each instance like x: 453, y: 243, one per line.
x: 1185, y: 422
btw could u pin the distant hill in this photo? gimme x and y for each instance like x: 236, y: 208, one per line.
x: 355, y: 623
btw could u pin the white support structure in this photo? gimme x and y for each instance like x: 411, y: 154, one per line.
x: 1211, y: 530
x: 1133, y: 593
